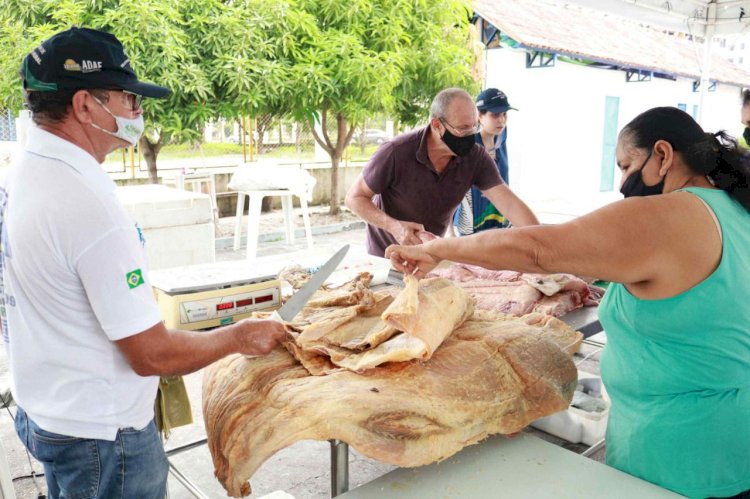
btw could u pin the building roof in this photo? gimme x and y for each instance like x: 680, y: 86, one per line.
x: 586, y: 33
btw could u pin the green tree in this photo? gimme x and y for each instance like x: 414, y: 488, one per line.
x: 205, y: 51
x: 346, y: 59
x: 326, y: 62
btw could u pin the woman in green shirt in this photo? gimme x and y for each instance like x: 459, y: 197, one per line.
x: 677, y: 360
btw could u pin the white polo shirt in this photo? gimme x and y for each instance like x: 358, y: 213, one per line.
x: 74, y: 281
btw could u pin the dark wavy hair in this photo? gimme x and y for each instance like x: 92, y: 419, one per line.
x: 53, y: 107
x: 714, y: 155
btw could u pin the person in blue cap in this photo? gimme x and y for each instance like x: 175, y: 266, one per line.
x: 85, y: 338
x: 476, y: 213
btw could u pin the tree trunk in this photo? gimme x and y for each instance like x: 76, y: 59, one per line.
x: 343, y: 138
x: 150, y: 151
x: 363, y: 137
x: 298, y: 137
x: 260, y: 128
x: 335, y: 201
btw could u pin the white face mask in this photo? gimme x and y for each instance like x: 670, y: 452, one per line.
x: 128, y: 129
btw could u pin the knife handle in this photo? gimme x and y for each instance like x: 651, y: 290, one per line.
x: 276, y: 317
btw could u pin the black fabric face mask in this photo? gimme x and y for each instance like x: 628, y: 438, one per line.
x: 461, y: 146
x: 746, y: 135
x: 634, y: 186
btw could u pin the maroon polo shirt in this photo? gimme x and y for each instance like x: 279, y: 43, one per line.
x: 408, y: 188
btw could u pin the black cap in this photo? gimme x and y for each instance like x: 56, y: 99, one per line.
x: 81, y: 58
x: 493, y: 100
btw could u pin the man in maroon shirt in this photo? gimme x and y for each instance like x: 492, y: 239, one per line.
x: 413, y: 184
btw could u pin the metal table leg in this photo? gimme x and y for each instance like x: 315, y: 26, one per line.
x: 339, y: 467
x: 185, y: 481
x: 594, y: 448
x: 190, y: 486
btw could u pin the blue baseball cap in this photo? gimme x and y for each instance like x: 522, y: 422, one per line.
x: 493, y: 100
x: 83, y: 58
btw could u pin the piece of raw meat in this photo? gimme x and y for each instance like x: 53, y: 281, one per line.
x: 518, y: 293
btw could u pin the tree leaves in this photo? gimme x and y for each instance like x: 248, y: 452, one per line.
x: 352, y: 58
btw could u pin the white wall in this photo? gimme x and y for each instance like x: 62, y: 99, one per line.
x: 555, y: 139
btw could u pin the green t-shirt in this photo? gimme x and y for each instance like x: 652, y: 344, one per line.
x: 678, y: 373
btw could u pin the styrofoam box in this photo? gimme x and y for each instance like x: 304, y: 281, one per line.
x: 356, y: 260
x: 168, y: 247
x: 355, y: 263
x: 576, y: 425
x: 155, y: 206
x: 177, y: 225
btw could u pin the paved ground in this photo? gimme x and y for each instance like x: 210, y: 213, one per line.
x: 302, y: 470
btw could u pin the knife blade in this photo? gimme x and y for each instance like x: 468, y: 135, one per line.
x: 298, y: 300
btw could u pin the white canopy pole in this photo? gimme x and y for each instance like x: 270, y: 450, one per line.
x: 706, y: 66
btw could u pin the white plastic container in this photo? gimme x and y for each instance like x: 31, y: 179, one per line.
x: 576, y: 425
x: 356, y: 262
x: 177, y: 225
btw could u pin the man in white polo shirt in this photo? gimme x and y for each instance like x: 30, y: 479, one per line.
x: 86, y: 342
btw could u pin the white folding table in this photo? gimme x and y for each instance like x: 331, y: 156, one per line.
x: 253, y: 216
x: 500, y: 467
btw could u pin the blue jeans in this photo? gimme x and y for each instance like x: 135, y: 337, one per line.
x: 134, y: 465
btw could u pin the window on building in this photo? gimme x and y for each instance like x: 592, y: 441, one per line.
x: 609, y: 143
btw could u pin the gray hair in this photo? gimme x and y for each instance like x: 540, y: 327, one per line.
x: 443, y: 99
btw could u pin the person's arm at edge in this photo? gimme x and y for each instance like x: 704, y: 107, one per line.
x: 159, y: 351
x: 605, y: 244
x: 511, y: 206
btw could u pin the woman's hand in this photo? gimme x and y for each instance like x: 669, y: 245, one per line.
x: 411, y: 259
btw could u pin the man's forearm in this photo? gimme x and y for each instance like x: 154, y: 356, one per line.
x: 163, y: 352
x: 522, y: 215
x: 511, y: 206
x: 190, y: 351
x: 367, y: 211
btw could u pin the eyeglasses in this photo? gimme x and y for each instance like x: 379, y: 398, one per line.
x: 461, y: 132
x: 132, y: 100
x: 129, y: 99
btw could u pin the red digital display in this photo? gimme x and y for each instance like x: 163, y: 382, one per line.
x: 224, y: 306
x: 264, y: 298
x: 245, y: 302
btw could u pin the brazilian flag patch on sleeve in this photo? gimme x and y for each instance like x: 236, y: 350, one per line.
x: 134, y: 278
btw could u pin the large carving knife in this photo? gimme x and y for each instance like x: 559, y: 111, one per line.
x: 298, y: 300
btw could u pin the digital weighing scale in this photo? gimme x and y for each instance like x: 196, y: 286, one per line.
x: 214, y: 294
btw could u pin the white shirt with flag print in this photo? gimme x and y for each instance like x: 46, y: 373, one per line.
x: 74, y: 281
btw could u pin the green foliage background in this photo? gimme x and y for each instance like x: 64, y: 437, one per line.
x: 304, y: 59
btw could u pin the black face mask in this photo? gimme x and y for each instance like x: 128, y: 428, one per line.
x: 746, y: 135
x: 634, y: 186
x: 461, y: 146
